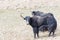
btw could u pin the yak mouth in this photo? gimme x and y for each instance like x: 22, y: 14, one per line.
x: 27, y: 23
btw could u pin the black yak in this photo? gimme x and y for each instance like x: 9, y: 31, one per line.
x: 42, y: 22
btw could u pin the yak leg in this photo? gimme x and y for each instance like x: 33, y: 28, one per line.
x: 35, y: 31
x: 38, y: 32
x: 53, y: 33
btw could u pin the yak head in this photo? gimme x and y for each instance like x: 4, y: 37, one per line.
x: 26, y: 19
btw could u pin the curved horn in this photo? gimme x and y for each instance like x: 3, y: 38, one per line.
x: 21, y: 16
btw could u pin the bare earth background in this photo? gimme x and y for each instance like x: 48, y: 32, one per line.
x: 13, y: 27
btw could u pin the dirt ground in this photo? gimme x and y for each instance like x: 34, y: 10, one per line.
x: 13, y: 27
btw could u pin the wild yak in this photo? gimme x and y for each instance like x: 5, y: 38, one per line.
x: 42, y: 22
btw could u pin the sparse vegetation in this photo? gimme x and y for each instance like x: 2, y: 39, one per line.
x: 13, y: 27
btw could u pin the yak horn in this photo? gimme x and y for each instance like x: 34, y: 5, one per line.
x: 21, y: 16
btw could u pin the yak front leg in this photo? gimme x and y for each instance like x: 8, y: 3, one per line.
x: 35, y: 31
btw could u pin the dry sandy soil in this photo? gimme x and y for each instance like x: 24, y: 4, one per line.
x: 13, y: 27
